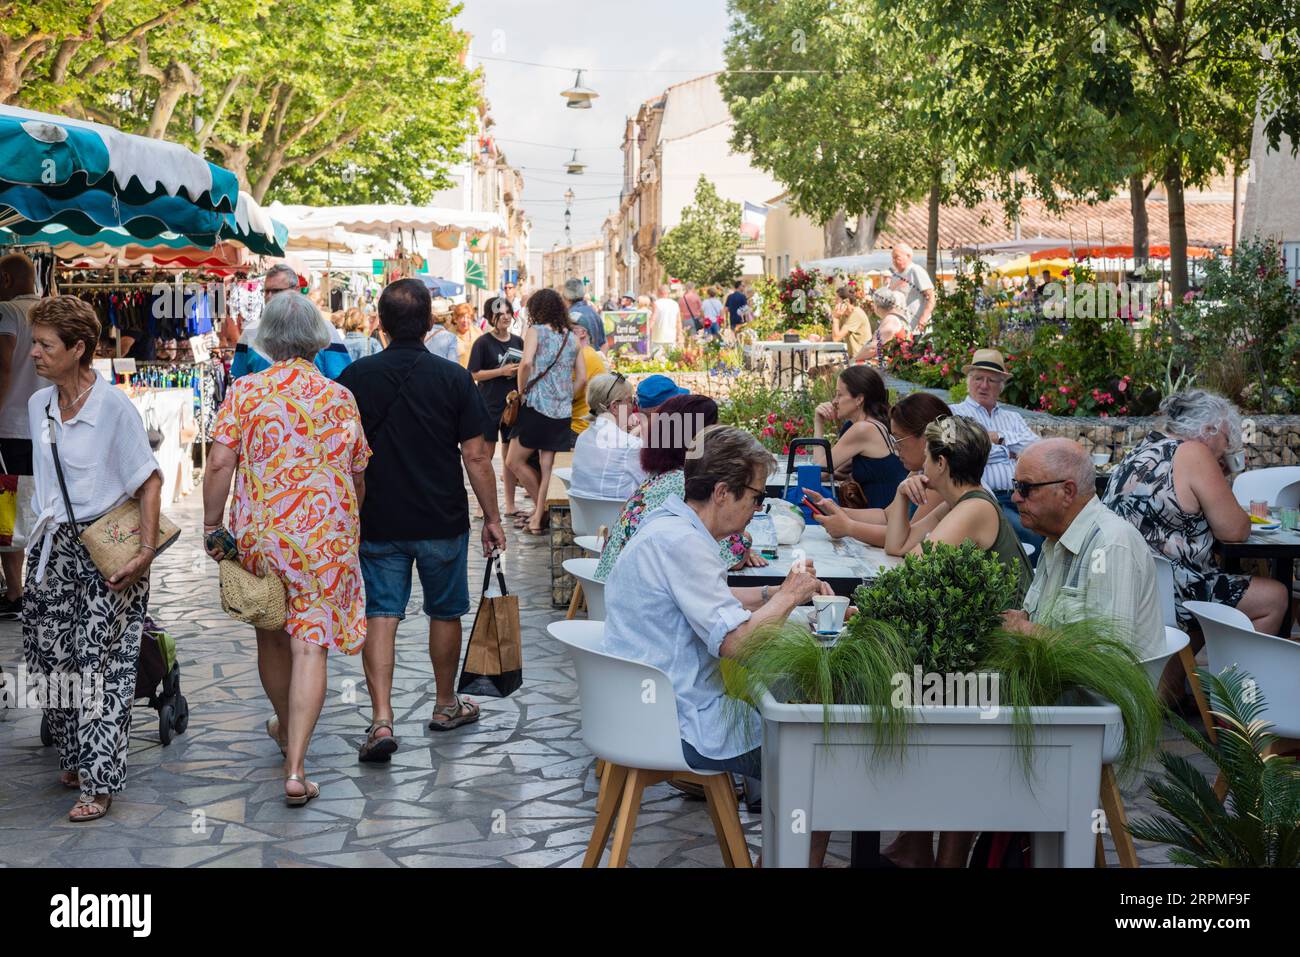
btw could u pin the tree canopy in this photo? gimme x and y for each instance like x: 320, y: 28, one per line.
x: 704, y: 247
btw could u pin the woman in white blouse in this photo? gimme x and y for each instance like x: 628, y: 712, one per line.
x: 607, y: 456
x: 75, y: 622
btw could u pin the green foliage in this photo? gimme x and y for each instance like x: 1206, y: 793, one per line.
x: 1041, y: 668
x: 858, y: 670
x: 774, y: 415
x: 334, y: 101
x: 1258, y: 825
x: 944, y: 603
x: 1241, y: 331
x: 704, y: 248
x: 958, y: 326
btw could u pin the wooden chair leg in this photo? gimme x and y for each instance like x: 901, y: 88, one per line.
x: 600, y: 768
x: 575, y: 602
x: 715, y: 817
x: 721, y: 793
x: 1113, y: 804
x: 1202, y: 704
x: 629, y: 807
x: 607, y: 804
x: 1101, y: 852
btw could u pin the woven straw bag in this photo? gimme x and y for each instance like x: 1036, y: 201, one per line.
x: 260, y: 602
x: 114, y: 538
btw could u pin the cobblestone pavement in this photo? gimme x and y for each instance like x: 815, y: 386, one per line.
x: 516, y: 789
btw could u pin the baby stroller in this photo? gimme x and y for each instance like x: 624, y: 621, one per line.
x: 158, y: 679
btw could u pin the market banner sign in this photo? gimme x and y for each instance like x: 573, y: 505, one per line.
x: 474, y: 274
x: 631, y: 327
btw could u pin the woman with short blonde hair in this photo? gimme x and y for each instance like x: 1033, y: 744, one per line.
x: 607, y: 456
x: 95, y: 458
x: 356, y: 335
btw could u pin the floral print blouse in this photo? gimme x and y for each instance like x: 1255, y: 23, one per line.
x: 645, y: 500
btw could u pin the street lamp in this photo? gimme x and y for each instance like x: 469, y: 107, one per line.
x: 579, y: 97
x: 573, y: 167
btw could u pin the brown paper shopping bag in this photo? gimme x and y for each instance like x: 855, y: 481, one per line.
x: 494, y: 661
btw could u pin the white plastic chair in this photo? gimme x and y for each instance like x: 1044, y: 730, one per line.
x: 1112, y: 801
x: 1274, y: 663
x: 589, y: 543
x: 629, y: 720
x: 1279, y: 486
x: 593, y: 591
x: 588, y: 514
x: 1029, y: 549
x: 565, y: 475
x: 1169, y: 610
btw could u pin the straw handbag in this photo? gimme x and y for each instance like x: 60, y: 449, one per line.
x: 260, y: 602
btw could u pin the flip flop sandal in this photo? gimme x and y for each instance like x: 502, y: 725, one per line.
x: 453, y: 714
x: 99, y: 809
x: 311, y: 790
x: 274, y: 734
x: 378, y: 749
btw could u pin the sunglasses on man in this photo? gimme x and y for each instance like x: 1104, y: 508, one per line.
x: 1024, y: 489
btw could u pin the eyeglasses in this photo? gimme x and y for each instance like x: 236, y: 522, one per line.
x: 759, y: 495
x: 268, y: 292
x: 1025, y: 488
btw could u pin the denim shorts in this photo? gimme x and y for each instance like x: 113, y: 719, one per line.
x: 443, y: 564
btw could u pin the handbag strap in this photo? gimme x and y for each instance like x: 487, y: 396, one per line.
x: 494, y: 562
x: 401, y: 393
x: 58, y: 468
x: 537, y: 379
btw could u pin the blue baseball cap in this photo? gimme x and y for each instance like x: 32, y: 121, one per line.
x: 656, y: 390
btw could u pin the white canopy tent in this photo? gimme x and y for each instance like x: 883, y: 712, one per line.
x: 385, y: 220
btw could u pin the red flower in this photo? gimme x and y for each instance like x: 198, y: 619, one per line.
x: 1073, y: 403
x: 771, y: 418
x: 1042, y: 377
x: 1063, y: 389
x: 944, y: 370
x: 768, y: 431
x: 785, y: 450
x: 1104, y: 415
x: 1123, y: 384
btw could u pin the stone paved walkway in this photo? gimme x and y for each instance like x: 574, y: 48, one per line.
x: 515, y: 790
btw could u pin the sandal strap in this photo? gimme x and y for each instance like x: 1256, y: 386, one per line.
x: 453, y: 710
x: 381, y: 723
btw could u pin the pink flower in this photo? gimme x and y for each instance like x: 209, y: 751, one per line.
x: 771, y: 418
x: 1104, y: 415
x: 1073, y: 403
x: 1063, y: 389
x: 789, y: 426
x: 1042, y: 377
x: 944, y: 370
x: 768, y: 431
x: 1123, y: 384
x: 785, y: 450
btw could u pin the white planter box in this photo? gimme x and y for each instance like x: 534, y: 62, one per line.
x: 958, y: 772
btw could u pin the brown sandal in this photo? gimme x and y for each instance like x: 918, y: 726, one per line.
x: 452, y: 712
x: 378, y: 749
x: 100, y: 809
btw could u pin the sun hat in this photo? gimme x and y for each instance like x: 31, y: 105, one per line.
x: 441, y: 308
x: 655, y: 390
x: 990, y: 360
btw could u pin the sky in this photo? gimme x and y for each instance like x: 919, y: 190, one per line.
x: 629, y: 51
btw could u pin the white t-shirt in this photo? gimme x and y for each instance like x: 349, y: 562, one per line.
x: 23, y: 380
x: 912, y: 282
x: 606, y: 462
x: 666, y: 322
x: 105, y: 455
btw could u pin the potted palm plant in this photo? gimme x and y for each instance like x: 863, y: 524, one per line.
x: 1257, y: 824
x: 925, y: 714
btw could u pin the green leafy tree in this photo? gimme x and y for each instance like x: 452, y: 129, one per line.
x: 1176, y: 83
x: 704, y: 247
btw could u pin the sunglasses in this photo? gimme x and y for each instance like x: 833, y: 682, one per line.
x: 759, y: 495
x: 1025, y: 488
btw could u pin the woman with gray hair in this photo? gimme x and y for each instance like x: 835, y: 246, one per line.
x: 1175, y: 489
x: 293, y: 441
x: 890, y: 307
x: 607, y: 456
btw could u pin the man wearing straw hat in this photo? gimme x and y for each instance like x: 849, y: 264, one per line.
x: 986, y: 374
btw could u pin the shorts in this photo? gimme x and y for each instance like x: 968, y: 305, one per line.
x: 17, y: 454
x: 443, y: 566
x: 499, y: 432
x: 537, y: 431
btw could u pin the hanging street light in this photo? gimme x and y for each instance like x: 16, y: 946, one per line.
x: 573, y: 167
x: 579, y: 97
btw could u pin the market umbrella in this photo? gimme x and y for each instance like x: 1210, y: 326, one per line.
x: 1023, y: 266
x: 439, y: 286
x: 63, y: 158
x: 27, y: 212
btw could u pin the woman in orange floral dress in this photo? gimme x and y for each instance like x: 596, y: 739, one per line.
x: 295, y: 440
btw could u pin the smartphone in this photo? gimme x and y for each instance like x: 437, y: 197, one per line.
x: 223, y: 540
x: 808, y: 502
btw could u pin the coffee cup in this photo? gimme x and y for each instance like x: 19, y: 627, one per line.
x: 1100, y: 458
x: 829, y: 612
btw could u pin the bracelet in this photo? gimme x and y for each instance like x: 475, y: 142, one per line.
x: 151, y: 548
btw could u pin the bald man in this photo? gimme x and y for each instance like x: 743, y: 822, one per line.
x: 913, y: 282
x: 1093, y: 562
x: 18, y: 381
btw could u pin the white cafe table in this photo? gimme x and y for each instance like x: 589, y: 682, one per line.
x: 843, y: 563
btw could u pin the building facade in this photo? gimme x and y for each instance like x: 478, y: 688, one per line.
x: 585, y: 261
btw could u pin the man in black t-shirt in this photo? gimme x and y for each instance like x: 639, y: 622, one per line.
x: 422, y: 416
x: 496, y: 376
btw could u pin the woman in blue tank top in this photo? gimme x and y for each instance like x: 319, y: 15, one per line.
x: 864, y: 451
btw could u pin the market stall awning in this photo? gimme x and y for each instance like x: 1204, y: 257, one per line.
x: 1024, y: 266
x: 1013, y: 247
x: 64, y: 157
x: 386, y: 219
x: 1114, y: 251
x: 36, y: 216
x: 879, y: 260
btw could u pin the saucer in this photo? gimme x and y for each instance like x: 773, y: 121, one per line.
x: 1268, y: 527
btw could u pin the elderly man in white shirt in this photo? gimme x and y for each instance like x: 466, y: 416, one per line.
x: 986, y: 374
x: 1094, y: 564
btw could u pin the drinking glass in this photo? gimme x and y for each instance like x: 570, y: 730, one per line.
x: 1259, y: 509
x: 1290, y: 518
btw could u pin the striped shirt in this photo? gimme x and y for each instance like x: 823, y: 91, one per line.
x: 1011, y: 429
